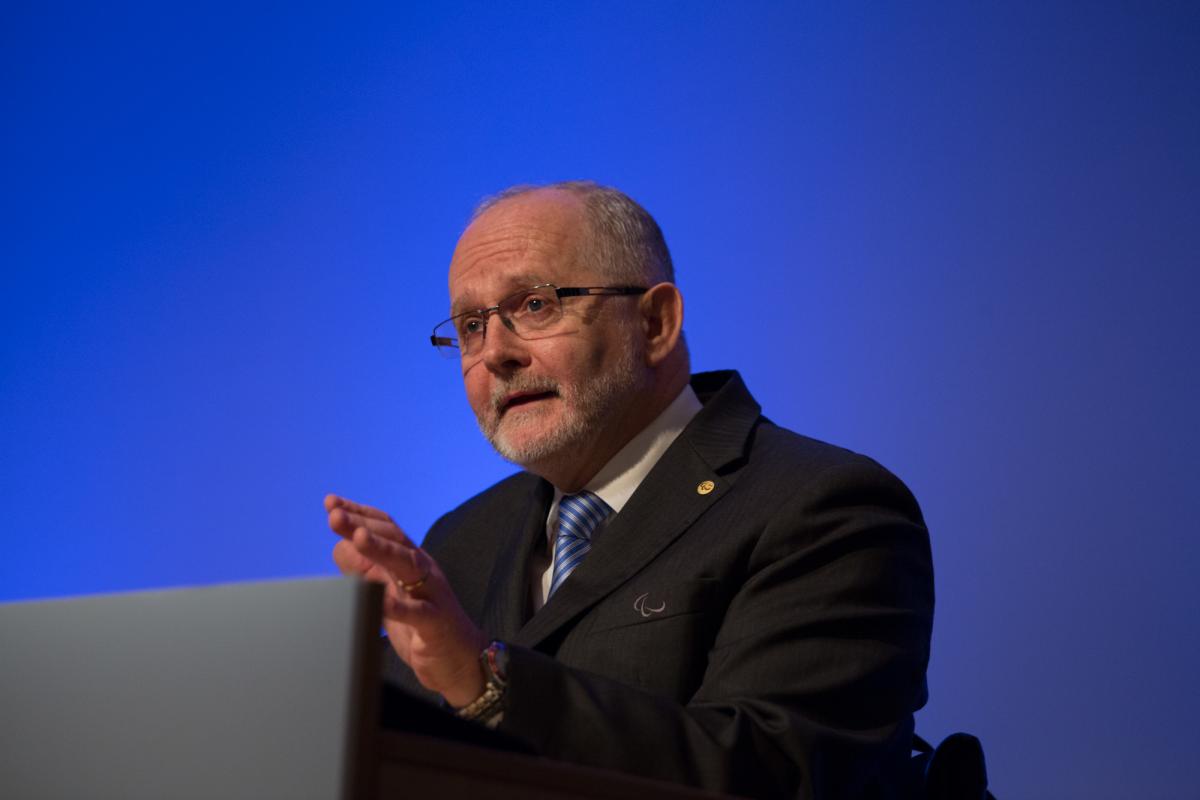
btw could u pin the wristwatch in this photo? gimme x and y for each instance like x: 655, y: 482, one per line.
x: 494, y: 661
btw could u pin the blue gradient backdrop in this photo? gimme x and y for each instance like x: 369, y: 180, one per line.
x: 962, y: 238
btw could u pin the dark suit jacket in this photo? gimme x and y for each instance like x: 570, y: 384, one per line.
x: 767, y: 638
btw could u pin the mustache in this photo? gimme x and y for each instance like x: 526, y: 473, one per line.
x: 521, y: 383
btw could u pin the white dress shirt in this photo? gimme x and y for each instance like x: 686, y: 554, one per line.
x: 617, y: 480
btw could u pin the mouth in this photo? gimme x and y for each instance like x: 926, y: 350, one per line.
x: 518, y: 399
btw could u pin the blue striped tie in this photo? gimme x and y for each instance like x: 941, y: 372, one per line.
x: 578, y: 516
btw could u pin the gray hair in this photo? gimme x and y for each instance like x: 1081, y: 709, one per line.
x: 628, y: 245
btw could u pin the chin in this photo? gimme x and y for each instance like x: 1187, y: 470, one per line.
x: 537, y: 442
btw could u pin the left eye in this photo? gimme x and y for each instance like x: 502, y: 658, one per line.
x: 535, y: 304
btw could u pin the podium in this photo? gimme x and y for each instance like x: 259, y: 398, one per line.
x: 246, y: 690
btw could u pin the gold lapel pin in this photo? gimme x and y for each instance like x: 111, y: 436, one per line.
x: 705, y: 487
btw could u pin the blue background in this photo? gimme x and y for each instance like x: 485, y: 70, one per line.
x: 962, y: 238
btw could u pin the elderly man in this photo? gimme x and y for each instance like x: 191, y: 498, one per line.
x: 673, y: 586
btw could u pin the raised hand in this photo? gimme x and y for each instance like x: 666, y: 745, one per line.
x: 425, y: 622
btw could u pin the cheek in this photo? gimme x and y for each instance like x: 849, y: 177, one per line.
x: 570, y: 359
x: 475, y: 381
x: 568, y: 372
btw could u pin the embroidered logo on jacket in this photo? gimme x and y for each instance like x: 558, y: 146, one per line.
x: 639, y: 605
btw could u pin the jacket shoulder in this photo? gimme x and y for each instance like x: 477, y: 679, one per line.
x: 794, y: 463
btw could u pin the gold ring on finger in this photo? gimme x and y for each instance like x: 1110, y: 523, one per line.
x: 417, y: 584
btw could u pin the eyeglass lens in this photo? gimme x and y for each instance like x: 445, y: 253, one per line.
x: 526, y: 313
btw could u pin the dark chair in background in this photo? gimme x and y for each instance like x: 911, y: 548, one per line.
x: 954, y: 770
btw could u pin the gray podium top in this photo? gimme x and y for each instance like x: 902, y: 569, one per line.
x: 246, y: 690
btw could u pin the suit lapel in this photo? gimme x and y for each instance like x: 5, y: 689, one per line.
x: 669, y: 500
x: 506, y: 606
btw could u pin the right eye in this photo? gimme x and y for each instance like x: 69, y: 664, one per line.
x: 534, y: 307
x: 470, y: 326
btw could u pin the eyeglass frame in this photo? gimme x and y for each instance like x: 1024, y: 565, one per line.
x: 445, y: 345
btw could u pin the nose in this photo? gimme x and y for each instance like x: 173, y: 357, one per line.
x: 503, y: 351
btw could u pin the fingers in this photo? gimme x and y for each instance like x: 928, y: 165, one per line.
x: 351, y: 562
x: 345, y: 523
x: 402, y: 560
x: 346, y: 517
x: 373, y: 545
x: 333, y: 501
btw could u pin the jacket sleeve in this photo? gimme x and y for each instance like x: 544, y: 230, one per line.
x: 809, y: 685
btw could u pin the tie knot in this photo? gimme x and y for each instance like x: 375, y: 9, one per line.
x: 580, y: 514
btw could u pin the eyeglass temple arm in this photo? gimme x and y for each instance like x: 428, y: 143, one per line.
x: 579, y: 292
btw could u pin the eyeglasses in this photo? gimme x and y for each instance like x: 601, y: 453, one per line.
x: 531, y: 313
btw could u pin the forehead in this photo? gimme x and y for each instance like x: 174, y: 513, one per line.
x: 526, y: 240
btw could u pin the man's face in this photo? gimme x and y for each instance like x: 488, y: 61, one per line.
x: 539, y: 401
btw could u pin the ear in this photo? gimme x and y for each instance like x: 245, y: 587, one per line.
x: 662, y: 321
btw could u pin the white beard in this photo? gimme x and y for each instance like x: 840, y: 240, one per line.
x: 587, y: 406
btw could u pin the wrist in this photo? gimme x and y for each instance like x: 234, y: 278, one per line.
x: 470, y: 678
x: 467, y: 690
x: 488, y: 702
